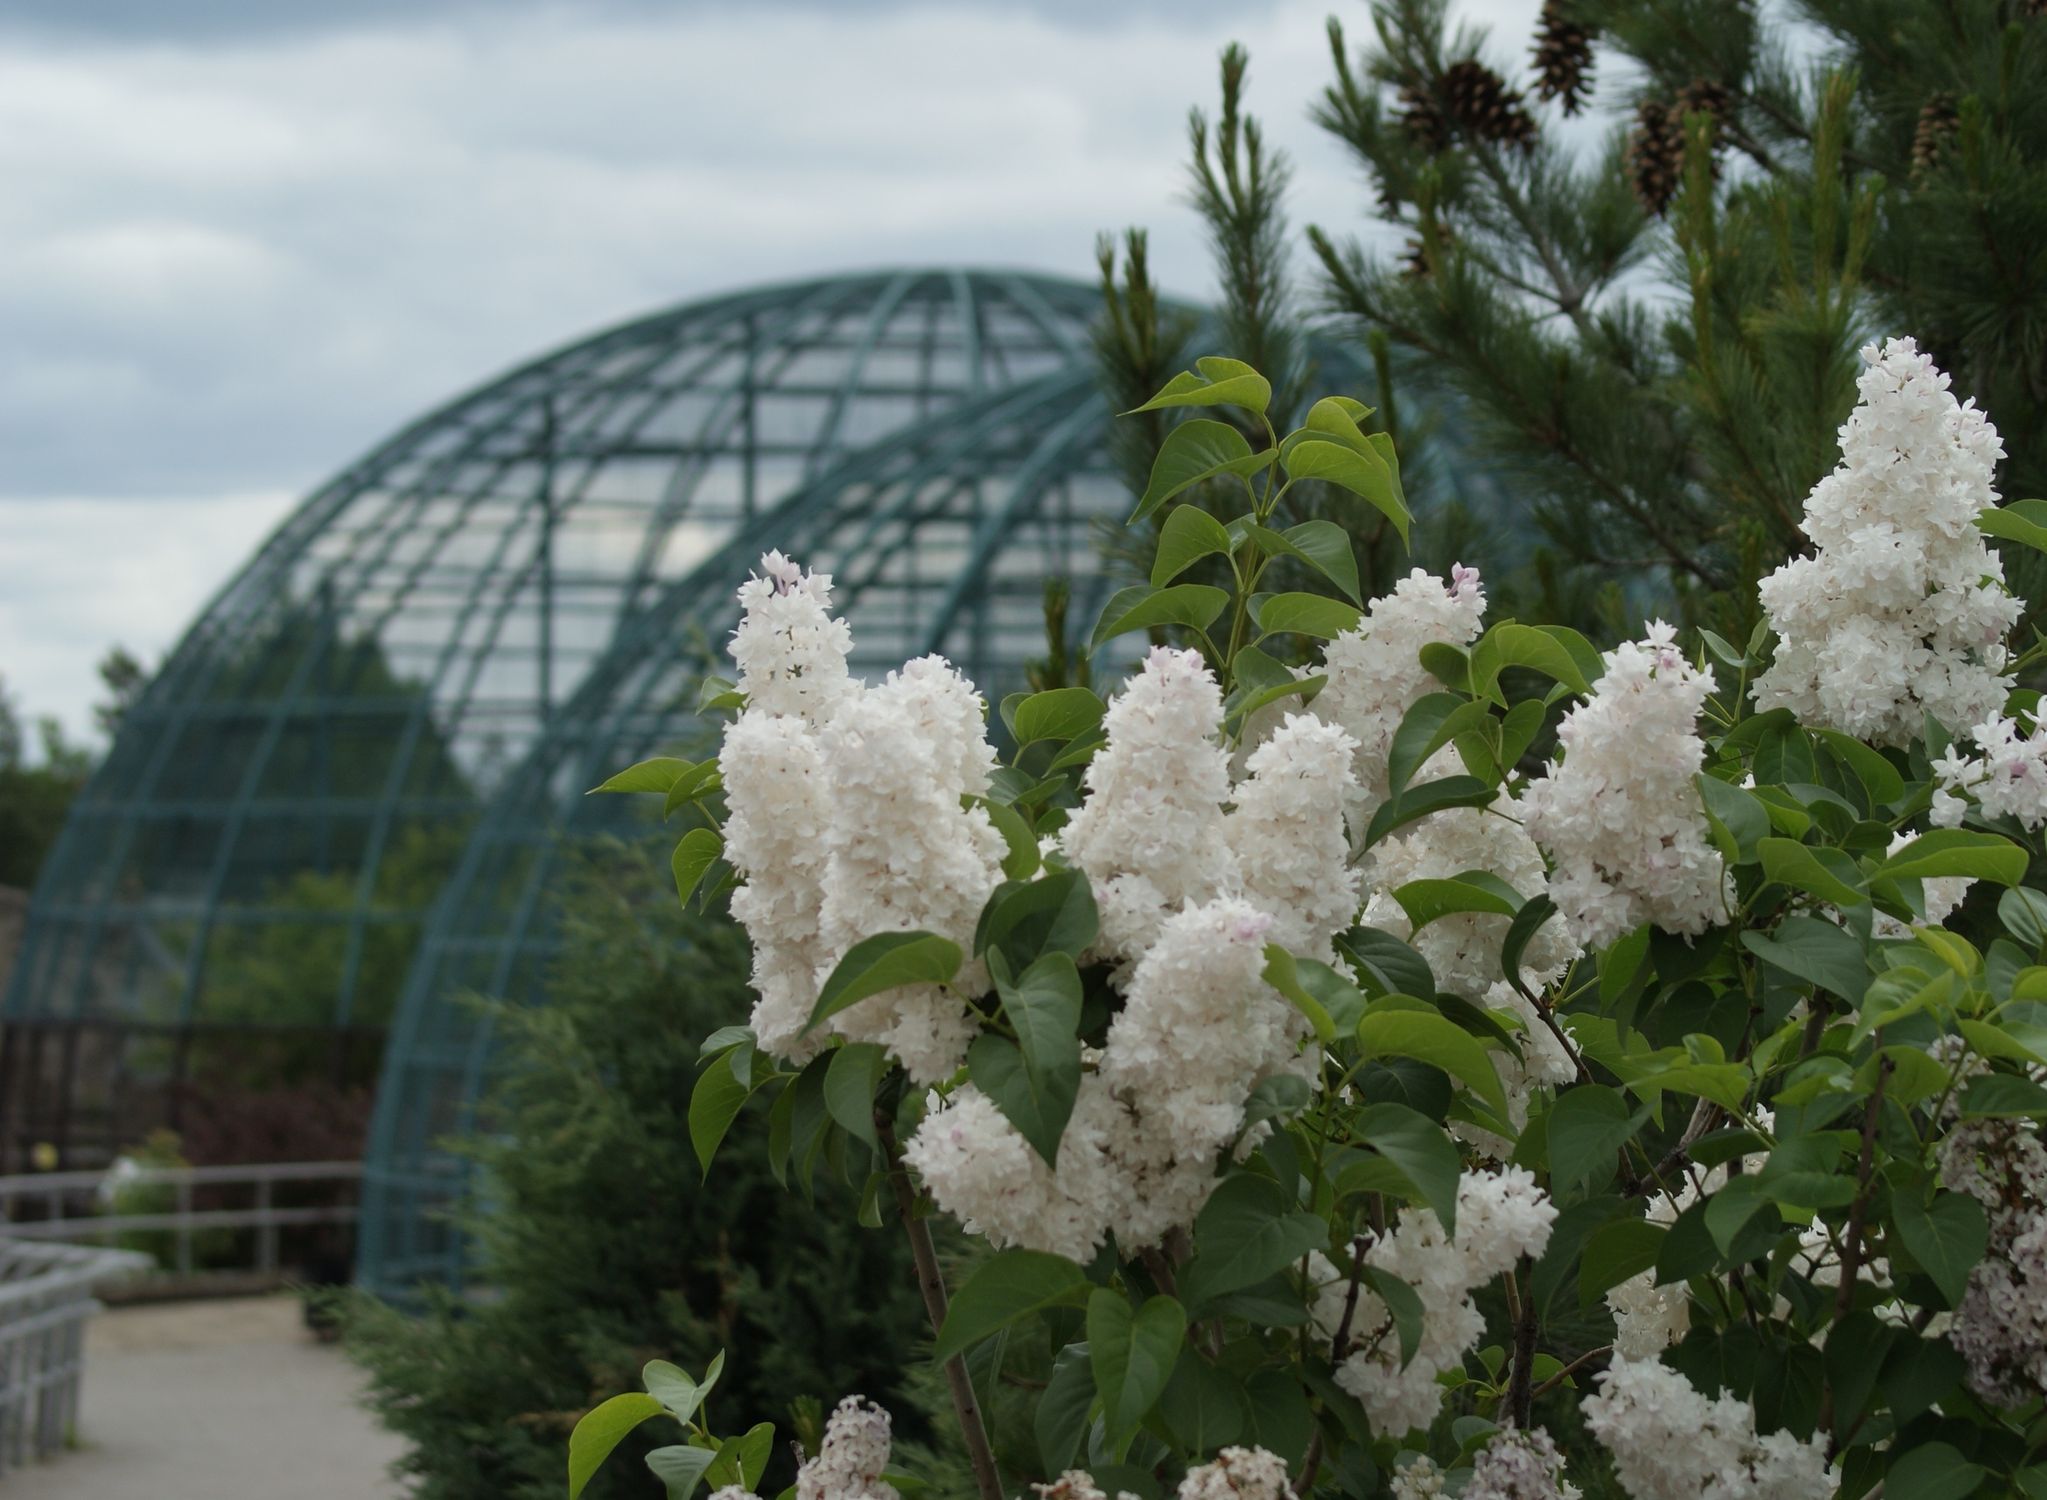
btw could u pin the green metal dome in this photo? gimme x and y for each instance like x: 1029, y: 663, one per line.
x: 259, y: 852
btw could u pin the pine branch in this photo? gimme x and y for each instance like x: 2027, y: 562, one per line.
x: 1238, y: 185
x: 1457, y: 344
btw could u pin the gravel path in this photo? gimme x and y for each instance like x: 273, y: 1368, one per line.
x: 227, y: 1400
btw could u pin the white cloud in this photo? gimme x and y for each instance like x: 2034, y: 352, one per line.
x: 79, y: 574
x: 228, y: 266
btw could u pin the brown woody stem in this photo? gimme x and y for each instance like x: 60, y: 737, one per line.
x: 1602, y: 1352
x: 1520, y: 1389
x: 1311, y: 1465
x: 1851, y: 1242
x: 931, y: 1282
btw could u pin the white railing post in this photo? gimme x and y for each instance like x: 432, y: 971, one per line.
x: 184, y: 1240
x: 266, y: 1228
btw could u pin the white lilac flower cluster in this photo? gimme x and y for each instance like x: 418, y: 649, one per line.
x: 1516, y: 1465
x: 1670, y: 1442
x: 1901, y: 611
x: 1238, y: 1474
x: 1648, y: 1318
x: 1421, y: 1479
x: 1290, y: 854
x: 1375, y: 672
x: 2000, y: 1329
x: 904, y: 855
x: 1513, y: 1465
x: 790, y: 649
x: 779, y: 796
x: 849, y: 1462
x: 1150, y: 834
x: 846, y: 820
x: 1154, y: 835
x: 1076, y: 1484
x: 1234, y: 1474
x: 1198, y: 1029
x: 2007, y: 777
x: 1501, y: 1216
x: 1619, y: 813
x: 1190, y: 891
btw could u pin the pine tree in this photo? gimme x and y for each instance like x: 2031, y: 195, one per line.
x: 1666, y: 443
x: 1951, y: 113
x: 1238, y: 184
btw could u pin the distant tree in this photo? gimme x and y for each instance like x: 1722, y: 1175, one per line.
x: 33, y: 796
x: 36, y: 794
x: 124, y: 677
x: 287, y: 965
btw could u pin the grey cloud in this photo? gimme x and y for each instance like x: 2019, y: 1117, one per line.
x: 233, y: 259
x: 234, y: 266
x: 208, y: 20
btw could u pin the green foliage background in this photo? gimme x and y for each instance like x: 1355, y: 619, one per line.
x: 598, y: 1249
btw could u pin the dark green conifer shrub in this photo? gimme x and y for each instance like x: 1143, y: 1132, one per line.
x: 598, y: 1247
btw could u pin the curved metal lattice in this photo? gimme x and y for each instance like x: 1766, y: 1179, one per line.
x: 266, y: 836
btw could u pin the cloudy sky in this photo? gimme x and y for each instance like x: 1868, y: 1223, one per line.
x: 240, y: 240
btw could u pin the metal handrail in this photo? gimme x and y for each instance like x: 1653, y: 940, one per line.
x: 41, y: 1184
x: 46, y: 1294
x: 204, y: 1218
x: 183, y: 1221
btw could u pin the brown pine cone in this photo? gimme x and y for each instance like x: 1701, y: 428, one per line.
x: 1938, y: 121
x: 1702, y: 96
x: 1423, y: 122
x: 1656, y: 154
x: 1478, y: 99
x: 1563, y: 58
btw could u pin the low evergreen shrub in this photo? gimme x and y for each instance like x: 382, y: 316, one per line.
x: 598, y: 1247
